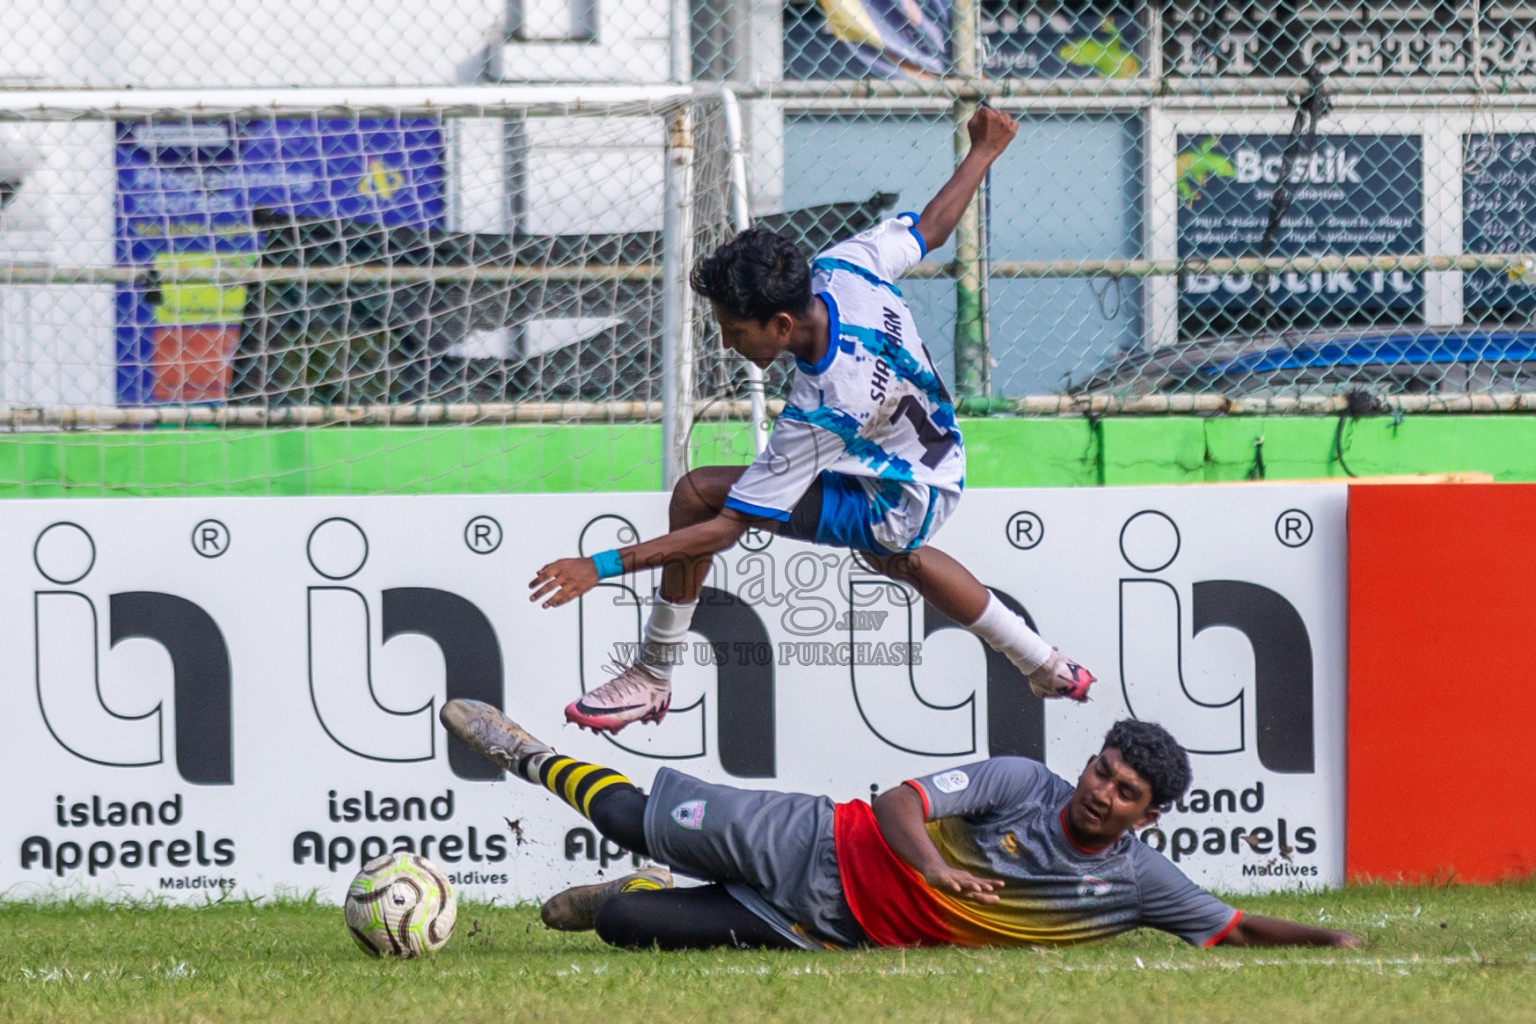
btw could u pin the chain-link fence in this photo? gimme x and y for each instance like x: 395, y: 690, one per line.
x: 483, y: 210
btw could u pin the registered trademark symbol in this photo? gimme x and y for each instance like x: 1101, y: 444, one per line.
x: 1024, y: 530
x: 755, y: 538
x: 1293, y: 528
x: 210, y: 538
x: 482, y: 535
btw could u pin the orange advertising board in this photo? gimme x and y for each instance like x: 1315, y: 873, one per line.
x: 1442, y: 700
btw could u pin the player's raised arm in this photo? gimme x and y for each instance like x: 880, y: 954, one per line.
x: 991, y: 131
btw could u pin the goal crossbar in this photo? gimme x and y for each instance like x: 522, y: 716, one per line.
x: 356, y: 273
x: 394, y: 101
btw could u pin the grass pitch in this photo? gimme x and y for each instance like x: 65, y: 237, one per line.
x: 1457, y: 953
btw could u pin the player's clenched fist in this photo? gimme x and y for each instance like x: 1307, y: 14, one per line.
x: 563, y: 580
x: 991, y: 130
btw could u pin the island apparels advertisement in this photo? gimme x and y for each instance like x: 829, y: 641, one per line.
x: 213, y: 696
x: 1353, y: 194
x: 187, y: 196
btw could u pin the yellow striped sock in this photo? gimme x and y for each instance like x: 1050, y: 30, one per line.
x: 577, y: 782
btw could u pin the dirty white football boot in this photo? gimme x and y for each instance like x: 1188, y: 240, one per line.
x: 575, y: 909
x: 492, y: 734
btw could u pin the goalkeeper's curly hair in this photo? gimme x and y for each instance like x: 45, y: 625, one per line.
x: 755, y: 275
x: 1154, y: 755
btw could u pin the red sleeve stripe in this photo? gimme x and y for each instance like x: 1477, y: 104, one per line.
x: 1237, y: 916
x: 927, y: 810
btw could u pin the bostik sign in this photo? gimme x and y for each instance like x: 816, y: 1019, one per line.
x: 241, y: 695
x: 1350, y: 194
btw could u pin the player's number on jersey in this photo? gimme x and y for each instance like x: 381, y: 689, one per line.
x: 936, y: 443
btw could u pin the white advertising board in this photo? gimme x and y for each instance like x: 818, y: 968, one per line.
x: 202, y: 695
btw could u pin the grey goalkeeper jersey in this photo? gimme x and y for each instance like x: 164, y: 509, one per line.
x: 1004, y: 818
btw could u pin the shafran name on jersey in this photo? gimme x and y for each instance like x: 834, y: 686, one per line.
x: 880, y: 380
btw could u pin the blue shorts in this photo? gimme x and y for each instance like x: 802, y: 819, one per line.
x: 835, y: 512
x: 840, y: 511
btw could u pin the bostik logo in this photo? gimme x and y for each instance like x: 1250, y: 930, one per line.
x: 76, y: 707
x: 744, y: 695
x: 341, y: 645
x: 1152, y: 658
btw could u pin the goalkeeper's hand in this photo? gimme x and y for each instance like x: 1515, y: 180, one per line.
x: 563, y: 580
x: 962, y: 883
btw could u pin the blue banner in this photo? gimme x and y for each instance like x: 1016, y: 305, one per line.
x: 187, y: 192
x: 1354, y: 194
x: 1499, y: 215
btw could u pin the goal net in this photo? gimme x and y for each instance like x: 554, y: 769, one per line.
x: 343, y: 285
x: 384, y: 258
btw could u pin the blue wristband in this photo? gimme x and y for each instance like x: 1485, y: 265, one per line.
x: 608, y: 563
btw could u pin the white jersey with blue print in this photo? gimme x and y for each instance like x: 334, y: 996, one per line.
x: 873, y: 409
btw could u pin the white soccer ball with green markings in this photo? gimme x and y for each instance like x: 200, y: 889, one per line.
x: 400, y: 905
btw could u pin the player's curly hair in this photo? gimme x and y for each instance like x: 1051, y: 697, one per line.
x: 755, y: 275
x: 1155, y: 755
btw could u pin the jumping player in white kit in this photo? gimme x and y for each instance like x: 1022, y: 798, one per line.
x: 867, y: 454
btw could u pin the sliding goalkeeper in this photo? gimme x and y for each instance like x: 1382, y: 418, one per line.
x: 867, y: 454
x: 997, y: 853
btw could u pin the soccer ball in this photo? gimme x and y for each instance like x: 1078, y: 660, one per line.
x: 400, y: 905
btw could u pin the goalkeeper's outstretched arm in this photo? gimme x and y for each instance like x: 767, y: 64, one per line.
x: 1253, y: 930
x: 991, y: 131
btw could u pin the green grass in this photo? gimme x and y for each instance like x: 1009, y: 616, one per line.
x: 1456, y: 953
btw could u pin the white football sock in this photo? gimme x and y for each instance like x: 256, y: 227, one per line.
x: 1007, y: 632
x: 664, y: 633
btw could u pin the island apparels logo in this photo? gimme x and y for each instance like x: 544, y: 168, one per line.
x: 348, y: 623
x: 1152, y: 655
x: 736, y: 639
x: 839, y: 612
x: 1281, y: 694
x: 341, y: 649
x: 75, y: 705
x: 100, y: 723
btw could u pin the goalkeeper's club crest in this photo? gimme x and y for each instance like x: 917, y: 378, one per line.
x: 690, y: 815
